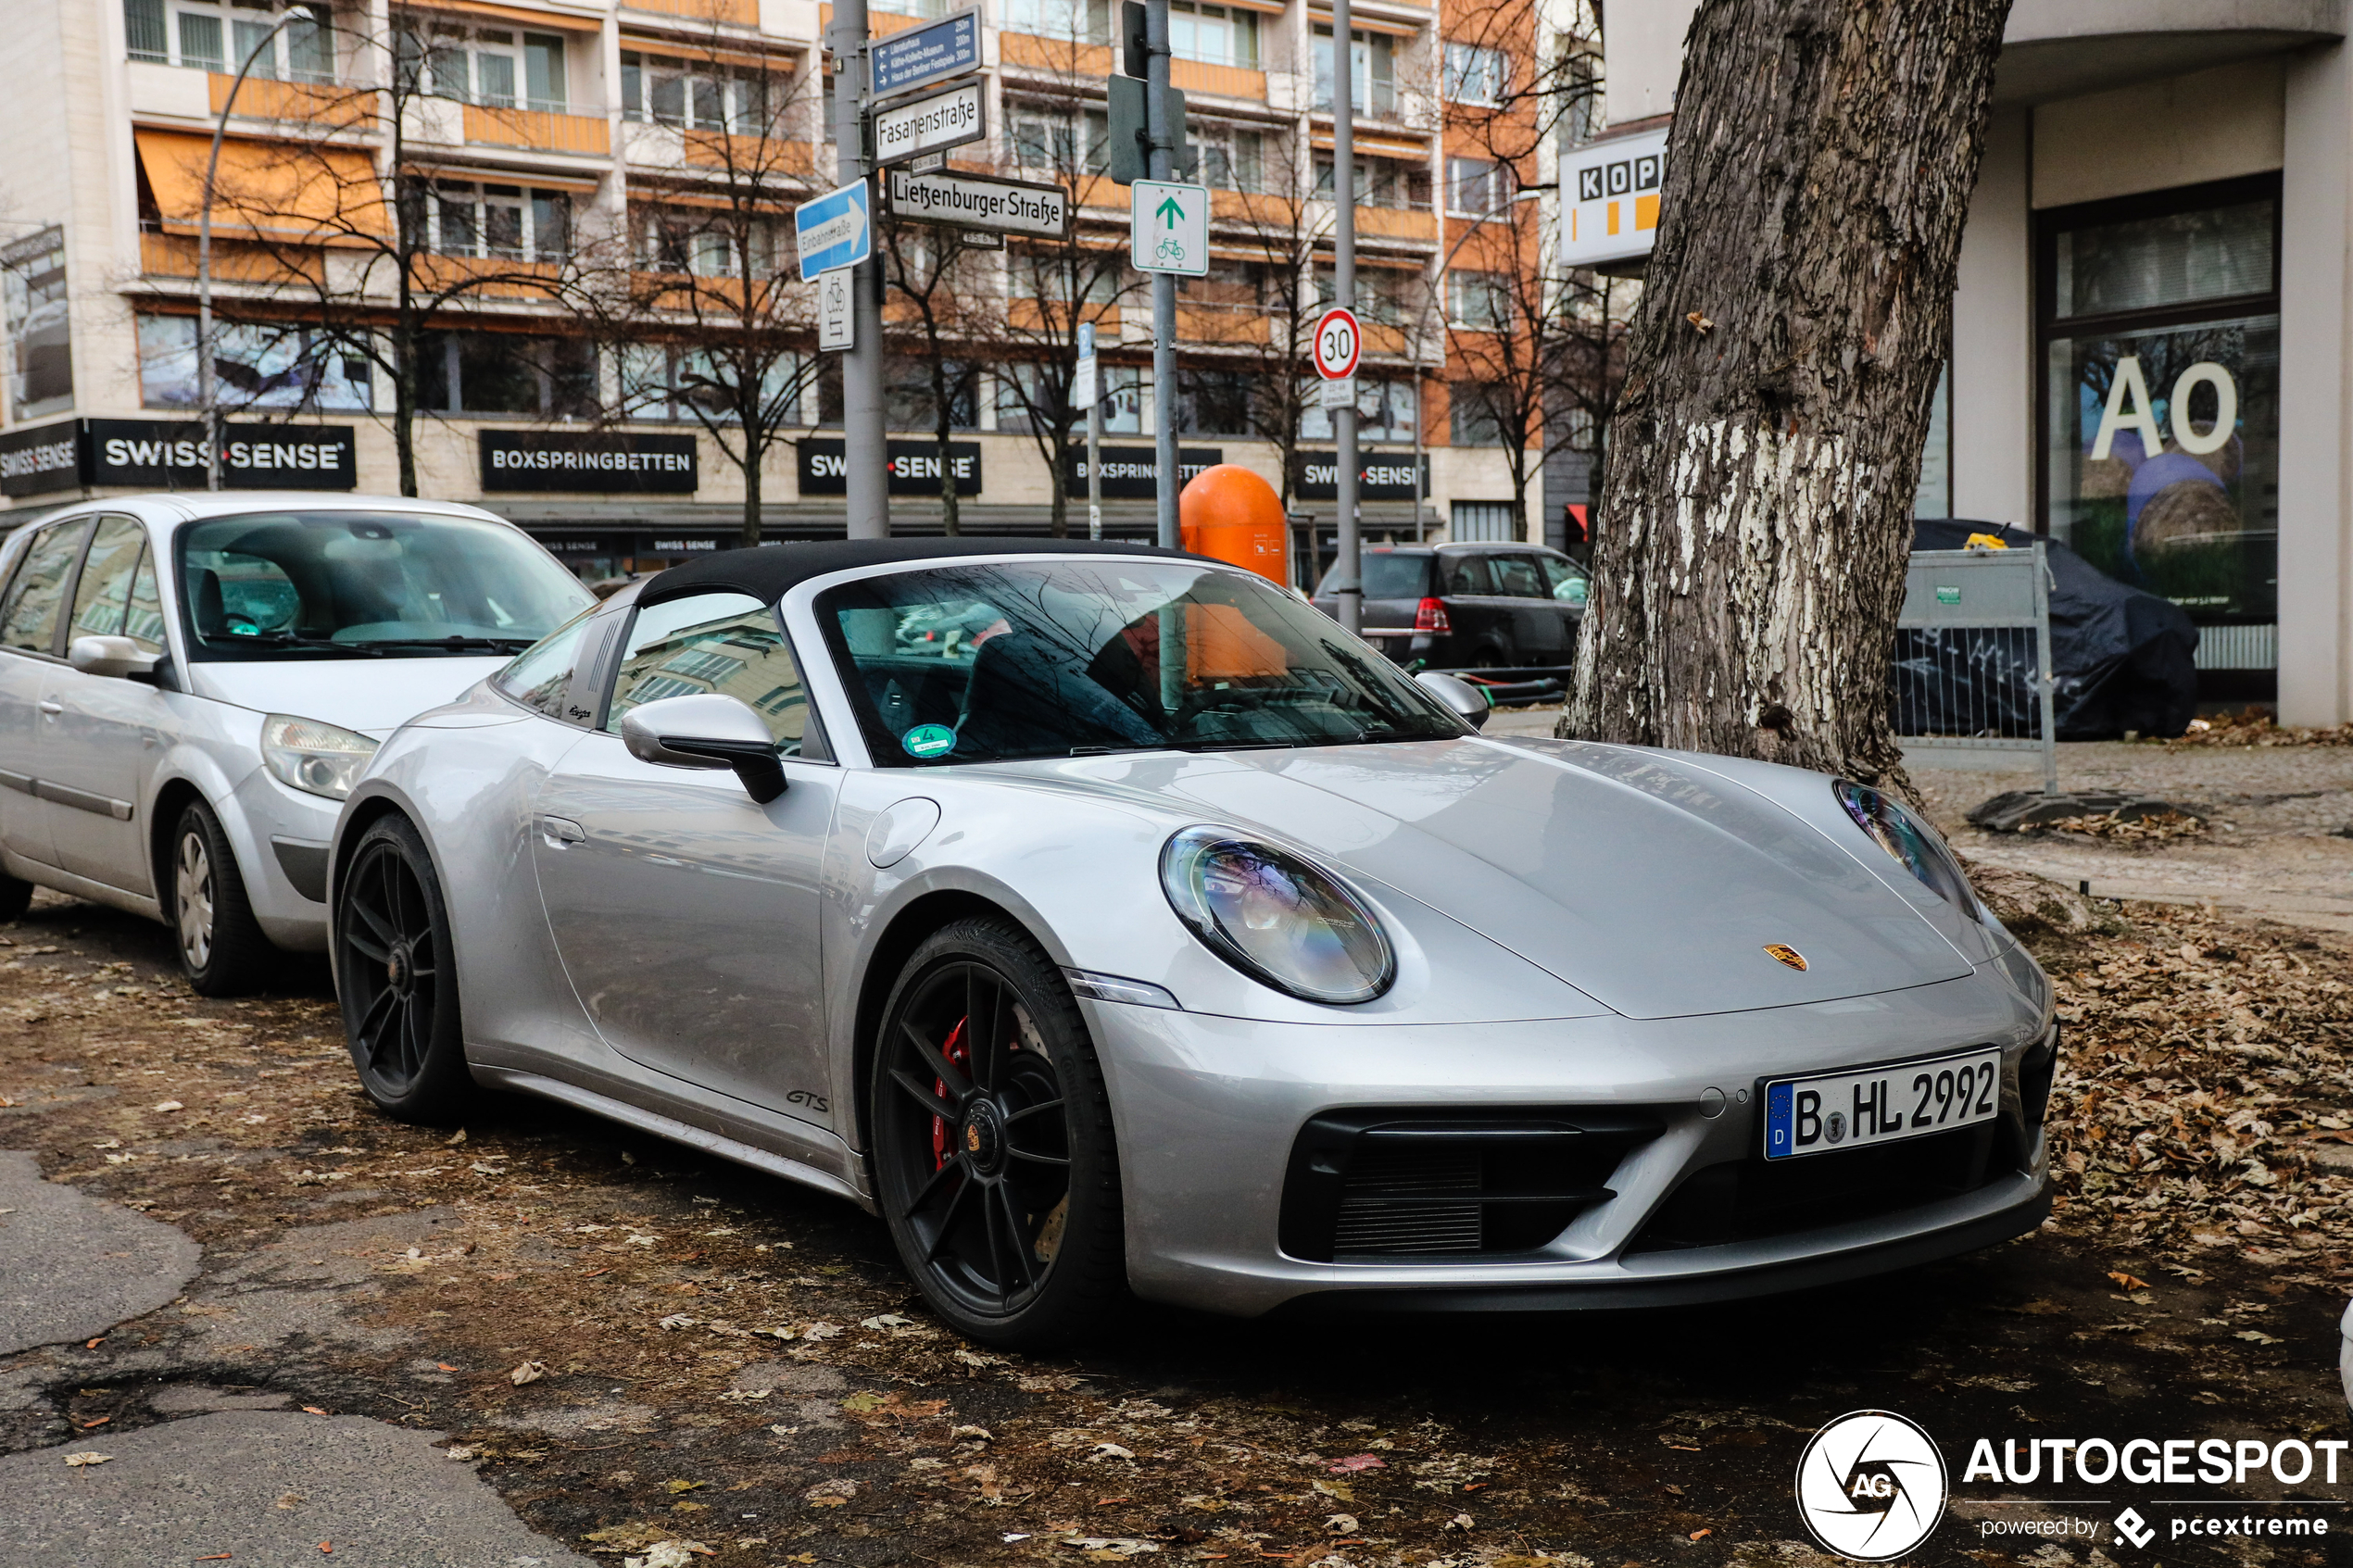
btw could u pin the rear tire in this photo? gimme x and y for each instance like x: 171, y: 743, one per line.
x: 994, y: 1158
x: 16, y: 897
x: 396, y: 980
x: 222, y: 951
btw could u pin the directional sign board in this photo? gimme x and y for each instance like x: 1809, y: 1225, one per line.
x: 1168, y: 227
x: 922, y: 55
x: 926, y: 125
x: 973, y: 201
x: 834, y: 320
x: 833, y: 231
x: 1338, y: 342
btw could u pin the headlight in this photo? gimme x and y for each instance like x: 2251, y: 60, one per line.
x: 1276, y: 917
x: 1910, y: 840
x: 316, y: 757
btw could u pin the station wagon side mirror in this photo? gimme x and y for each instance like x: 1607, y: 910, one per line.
x: 707, y: 730
x: 117, y: 657
x: 1467, y: 701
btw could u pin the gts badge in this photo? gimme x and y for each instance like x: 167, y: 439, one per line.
x: 809, y: 1101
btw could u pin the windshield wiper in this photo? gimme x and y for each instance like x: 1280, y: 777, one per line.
x: 288, y: 640
x: 455, y: 644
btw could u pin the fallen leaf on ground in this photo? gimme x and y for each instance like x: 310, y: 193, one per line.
x: 831, y: 1494
x: 80, y: 1460
x: 1359, y: 1461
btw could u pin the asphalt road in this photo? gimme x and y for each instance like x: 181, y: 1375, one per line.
x: 299, y: 1332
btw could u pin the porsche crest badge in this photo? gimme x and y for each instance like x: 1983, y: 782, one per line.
x: 1783, y: 953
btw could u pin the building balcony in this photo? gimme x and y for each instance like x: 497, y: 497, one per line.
x: 1396, y: 223
x: 1222, y: 81
x: 175, y: 256
x: 545, y: 131
x: 734, y: 13
x: 879, y: 24
x: 760, y: 158
x: 1085, y: 63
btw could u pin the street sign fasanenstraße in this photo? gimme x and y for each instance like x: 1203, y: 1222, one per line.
x: 928, y: 125
x: 973, y: 201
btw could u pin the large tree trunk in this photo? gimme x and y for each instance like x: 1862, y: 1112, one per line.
x: 749, y: 538
x: 1749, y: 564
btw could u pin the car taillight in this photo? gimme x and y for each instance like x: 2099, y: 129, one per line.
x: 1430, y: 616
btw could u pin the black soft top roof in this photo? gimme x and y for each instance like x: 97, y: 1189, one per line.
x: 769, y: 572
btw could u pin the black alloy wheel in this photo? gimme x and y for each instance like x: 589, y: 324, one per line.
x: 394, y: 975
x: 992, y: 1141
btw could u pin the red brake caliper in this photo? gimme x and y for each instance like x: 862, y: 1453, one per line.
x: 959, y: 1055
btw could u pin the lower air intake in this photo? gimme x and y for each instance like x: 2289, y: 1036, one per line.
x: 1394, y: 1201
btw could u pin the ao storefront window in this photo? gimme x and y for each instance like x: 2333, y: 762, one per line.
x: 2160, y: 351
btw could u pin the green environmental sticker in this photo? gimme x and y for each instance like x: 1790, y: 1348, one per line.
x: 928, y: 740
x: 1948, y: 596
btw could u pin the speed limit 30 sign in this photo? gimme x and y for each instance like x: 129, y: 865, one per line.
x: 1338, y: 343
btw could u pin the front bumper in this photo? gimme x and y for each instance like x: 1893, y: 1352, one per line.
x: 280, y: 837
x: 1211, y: 1112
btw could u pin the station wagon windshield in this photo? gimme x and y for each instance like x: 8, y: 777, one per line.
x: 303, y: 584
x: 983, y: 663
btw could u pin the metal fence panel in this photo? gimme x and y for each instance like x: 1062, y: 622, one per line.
x: 1974, y: 654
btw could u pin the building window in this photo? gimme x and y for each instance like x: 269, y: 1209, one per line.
x: 675, y: 384
x: 216, y: 37
x: 1386, y: 294
x: 907, y: 402
x: 1371, y: 73
x: 492, y: 67
x: 501, y: 223
x: 1580, y: 91
x: 2161, y: 329
x: 32, y: 278
x: 1477, y: 187
x: 1083, y: 21
x: 1478, y: 301
x: 258, y: 365
x: 1216, y: 35
x: 1387, y: 182
x: 698, y: 96
x: 1385, y: 408
x: 1231, y: 158
x: 1488, y: 520
x: 471, y: 372
x: 1471, y: 414
x: 1214, y: 402
x: 1476, y: 74
x: 706, y: 243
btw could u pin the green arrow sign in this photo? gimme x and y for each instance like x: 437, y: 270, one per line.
x: 1170, y: 212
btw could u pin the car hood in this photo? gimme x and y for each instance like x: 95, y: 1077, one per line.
x: 1651, y: 885
x: 372, y: 695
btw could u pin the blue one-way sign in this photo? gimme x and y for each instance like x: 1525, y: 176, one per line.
x: 834, y: 229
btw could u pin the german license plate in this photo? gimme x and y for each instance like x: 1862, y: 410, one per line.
x: 1876, y: 1105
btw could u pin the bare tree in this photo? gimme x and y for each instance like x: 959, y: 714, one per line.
x: 1768, y: 440
x: 695, y: 293
x: 931, y: 271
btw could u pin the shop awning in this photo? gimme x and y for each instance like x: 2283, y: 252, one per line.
x: 317, y: 194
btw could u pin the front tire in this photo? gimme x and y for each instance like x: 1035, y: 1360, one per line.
x: 395, y: 978
x: 994, y: 1156
x: 222, y: 951
x: 16, y: 897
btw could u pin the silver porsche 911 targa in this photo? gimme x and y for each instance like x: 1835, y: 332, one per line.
x: 1109, y: 920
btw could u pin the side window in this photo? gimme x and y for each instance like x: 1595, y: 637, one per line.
x: 719, y: 642
x: 1565, y: 581
x: 29, y: 615
x: 1467, y: 575
x: 542, y: 673
x: 1517, y: 577
x: 144, y: 623
x: 102, y: 599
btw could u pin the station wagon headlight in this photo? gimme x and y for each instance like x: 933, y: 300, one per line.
x: 1276, y: 917
x: 319, y: 758
x: 1910, y: 840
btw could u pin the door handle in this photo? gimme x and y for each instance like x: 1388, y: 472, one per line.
x: 52, y: 708
x: 561, y: 831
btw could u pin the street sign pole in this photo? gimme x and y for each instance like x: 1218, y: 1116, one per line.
x: 1348, y: 590
x: 1090, y: 386
x: 1157, y: 123
x: 863, y: 450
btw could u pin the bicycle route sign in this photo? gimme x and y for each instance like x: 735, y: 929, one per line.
x: 1168, y: 227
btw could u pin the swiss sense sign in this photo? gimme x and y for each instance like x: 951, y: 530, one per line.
x: 169, y: 454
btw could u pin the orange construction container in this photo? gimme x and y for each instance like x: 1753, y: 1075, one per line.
x: 1230, y: 514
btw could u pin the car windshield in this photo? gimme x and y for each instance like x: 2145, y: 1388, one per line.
x: 296, y: 584
x: 984, y: 662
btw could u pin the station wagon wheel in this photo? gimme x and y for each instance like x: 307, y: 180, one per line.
x: 992, y: 1140
x: 221, y: 948
x: 395, y: 977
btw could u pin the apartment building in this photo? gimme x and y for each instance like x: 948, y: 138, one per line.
x: 455, y: 175
x: 2150, y: 330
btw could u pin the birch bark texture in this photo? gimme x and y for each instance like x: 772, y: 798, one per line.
x: 1757, y: 512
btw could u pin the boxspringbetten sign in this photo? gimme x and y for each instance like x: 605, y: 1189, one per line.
x: 604, y: 461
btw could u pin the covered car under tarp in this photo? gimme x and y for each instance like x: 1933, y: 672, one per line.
x: 2125, y: 659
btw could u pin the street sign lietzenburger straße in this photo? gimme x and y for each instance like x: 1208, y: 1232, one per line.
x: 1168, y: 227
x: 974, y: 201
x: 833, y: 231
x: 928, y: 125
x: 922, y: 55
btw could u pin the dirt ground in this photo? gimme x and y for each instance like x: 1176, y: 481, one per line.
x: 634, y: 1346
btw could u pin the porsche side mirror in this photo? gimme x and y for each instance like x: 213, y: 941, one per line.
x: 707, y: 730
x: 114, y: 657
x: 1467, y: 701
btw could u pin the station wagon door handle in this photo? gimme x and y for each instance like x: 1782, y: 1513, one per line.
x: 52, y: 708
x: 561, y: 831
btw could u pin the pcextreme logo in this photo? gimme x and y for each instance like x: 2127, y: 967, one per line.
x: 1871, y: 1486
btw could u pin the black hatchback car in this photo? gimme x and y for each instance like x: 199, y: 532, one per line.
x: 1470, y: 607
